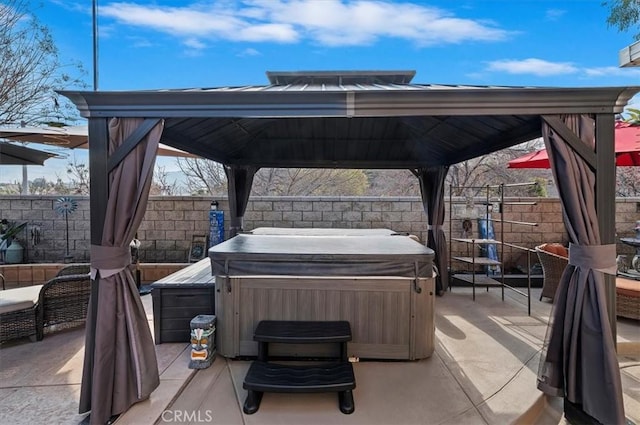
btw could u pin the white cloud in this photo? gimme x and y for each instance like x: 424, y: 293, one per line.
x: 74, y: 6
x: 106, y: 31
x: 555, y: 14
x: 249, y: 52
x: 612, y: 71
x: 327, y: 22
x: 194, y: 43
x: 140, y: 42
x: 533, y: 66
x: 195, y: 21
x: 543, y: 68
x: 335, y: 22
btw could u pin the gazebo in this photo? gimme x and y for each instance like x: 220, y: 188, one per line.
x: 354, y: 119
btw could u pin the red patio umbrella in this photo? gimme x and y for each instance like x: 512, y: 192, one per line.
x: 627, y: 148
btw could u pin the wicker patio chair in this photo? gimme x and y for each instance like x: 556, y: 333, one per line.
x: 80, y: 268
x: 17, y: 324
x: 63, y: 303
x: 18, y: 313
x: 552, y: 267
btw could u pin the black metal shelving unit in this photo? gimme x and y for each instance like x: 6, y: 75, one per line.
x: 472, y: 260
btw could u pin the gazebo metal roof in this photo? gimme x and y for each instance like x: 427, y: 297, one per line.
x: 352, y: 119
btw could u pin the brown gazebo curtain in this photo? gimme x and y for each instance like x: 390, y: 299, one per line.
x: 432, y: 181
x: 123, y: 368
x: 239, y: 182
x: 580, y: 362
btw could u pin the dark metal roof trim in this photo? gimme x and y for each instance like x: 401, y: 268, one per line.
x: 274, y: 104
x: 495, y: 101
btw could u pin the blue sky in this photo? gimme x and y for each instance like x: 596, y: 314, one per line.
x: 181, y: 43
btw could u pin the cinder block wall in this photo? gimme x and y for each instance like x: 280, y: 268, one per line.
x: 39, y: 213
x: 170, y: 222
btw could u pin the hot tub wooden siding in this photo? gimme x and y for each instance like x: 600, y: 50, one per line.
x: 389, y: 318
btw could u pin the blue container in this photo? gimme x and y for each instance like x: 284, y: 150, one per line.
x: 489, y: 250
x: 216, y: 227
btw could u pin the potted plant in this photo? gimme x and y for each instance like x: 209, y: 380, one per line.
x: 10, y: 247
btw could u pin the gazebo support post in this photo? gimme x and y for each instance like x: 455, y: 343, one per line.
x: 239, y: 182
x: 99, y: 193
x: 605, y: 201
x: 605, y: 207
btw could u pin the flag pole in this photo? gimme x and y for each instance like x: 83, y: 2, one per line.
x: 95, y: 44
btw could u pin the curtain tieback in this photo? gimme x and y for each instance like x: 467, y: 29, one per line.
x: 597, y: 257
x: 109, y: 259
x: 434, y: 227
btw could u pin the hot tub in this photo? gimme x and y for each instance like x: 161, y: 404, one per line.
x: 382, y: 284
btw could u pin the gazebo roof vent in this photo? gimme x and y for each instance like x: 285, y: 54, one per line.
x: 340, y: 77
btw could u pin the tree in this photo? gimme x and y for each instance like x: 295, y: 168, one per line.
x: 309, y: 182
x: 161, y: 185
x: 492, y: 169
x: 78, y: 173
x: 31, y: 70
x: 623, y: 14
x: 627, y: 181
x: 42, y: 186
x: 10, y: 188
x: 204, y: 177
x: 392, y: 183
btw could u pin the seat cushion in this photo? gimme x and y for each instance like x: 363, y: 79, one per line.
x: 555, y: 248
x: 628, y: 287
x: 19, y: 298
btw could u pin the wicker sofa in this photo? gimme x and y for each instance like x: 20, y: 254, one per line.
x: 628, y: 298
x: 35, y: 310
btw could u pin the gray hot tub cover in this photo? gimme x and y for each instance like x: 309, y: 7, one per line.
x: 321, y: 256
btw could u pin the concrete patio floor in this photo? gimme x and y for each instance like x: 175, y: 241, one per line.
x: 483, y: 371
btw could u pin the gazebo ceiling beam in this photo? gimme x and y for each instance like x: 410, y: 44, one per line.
x: 183, y: 142
x: 131, y: 142
x: 381, y: 164
x: 572, y: 140
x: 527, y: 131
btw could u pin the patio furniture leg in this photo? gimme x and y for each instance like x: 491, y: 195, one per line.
x: 39, y: 323
x: 263, y: 351
x: 344, y: 353
x: 345, y: 400
x: 252, y: 402
x: 39, y: 333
